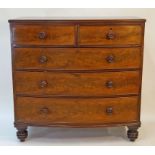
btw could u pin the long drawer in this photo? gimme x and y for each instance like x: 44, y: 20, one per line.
x: 68, y: 110
x: 77, y: 84
x: 77, y: 58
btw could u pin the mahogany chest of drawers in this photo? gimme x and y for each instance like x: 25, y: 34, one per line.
x: 77, y: 73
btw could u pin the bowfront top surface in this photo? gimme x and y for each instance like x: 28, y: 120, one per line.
x: 71, y: 19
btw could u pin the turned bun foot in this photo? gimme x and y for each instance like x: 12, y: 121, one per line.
x: 132, y: 133
x: 22, y: 134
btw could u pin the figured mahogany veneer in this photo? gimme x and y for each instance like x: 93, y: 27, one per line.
x: 77, y: 84
x: 81, y: 111
x: 77, y: 73
x: 77, y: 58
x: 43, y: 35
x: 110, y: 35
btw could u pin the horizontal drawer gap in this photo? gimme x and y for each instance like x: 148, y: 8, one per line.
x: 62, y: 96
x: 76, y: 46
x: 129, y: 45
x: 42, y: 46
x: 78, y: 71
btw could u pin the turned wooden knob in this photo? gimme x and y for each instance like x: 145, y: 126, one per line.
x: 110, y: 58
x: 44, y: 110
x: 43, y: 84
x: 110, y: 35
x: 109, y: 110
x: 43, y: 59
x: 42, y: 35
x: 109, y: 84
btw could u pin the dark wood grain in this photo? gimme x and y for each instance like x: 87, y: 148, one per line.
x: 77, y: 58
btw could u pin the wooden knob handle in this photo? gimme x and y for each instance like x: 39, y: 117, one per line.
x: 110, y: 58
x: 110, y: 35
x: 43, y: 59
x: 42, y: 35
x: 43, y: 84
x: 44, y: 110
x: 109, y: 110
x: 109, y: 84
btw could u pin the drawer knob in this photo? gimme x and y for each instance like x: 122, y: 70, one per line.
x: 42, y: 35
x: 44, y: 110
x: 109, y: 110
x: 110, y: 35
x: 109, y: 84
x: 43, y: 84
x: 43, y: 59
x: 110, y: 58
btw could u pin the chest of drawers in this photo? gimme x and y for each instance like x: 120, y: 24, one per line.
x: 77, y: 73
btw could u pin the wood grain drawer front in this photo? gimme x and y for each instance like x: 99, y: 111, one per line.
x: 110, y: 35
x: 43, y: 35
x: 77, y: 84
x: 62, y: 110
x: 77, y: 58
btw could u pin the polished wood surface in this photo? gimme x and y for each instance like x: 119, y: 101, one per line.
x: 43, y: 35
x: 51, y: 110
x: 77, y: 84
x: 110, y: 35
x: 77, y: 73
x: 77, y: 58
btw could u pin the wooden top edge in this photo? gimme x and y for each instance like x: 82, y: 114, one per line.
x: 22, y: 20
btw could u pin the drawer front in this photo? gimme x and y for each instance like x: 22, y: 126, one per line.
x: 77, y: 58
x: 43, y: 35
x: 87, y: 111
x: 110, y: 35
x: 77, y: 84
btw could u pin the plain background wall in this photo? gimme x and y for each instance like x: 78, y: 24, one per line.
x: 148, y: 91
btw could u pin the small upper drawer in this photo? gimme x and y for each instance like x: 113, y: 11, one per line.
x: 43, y: 34
x: 110, y: 35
